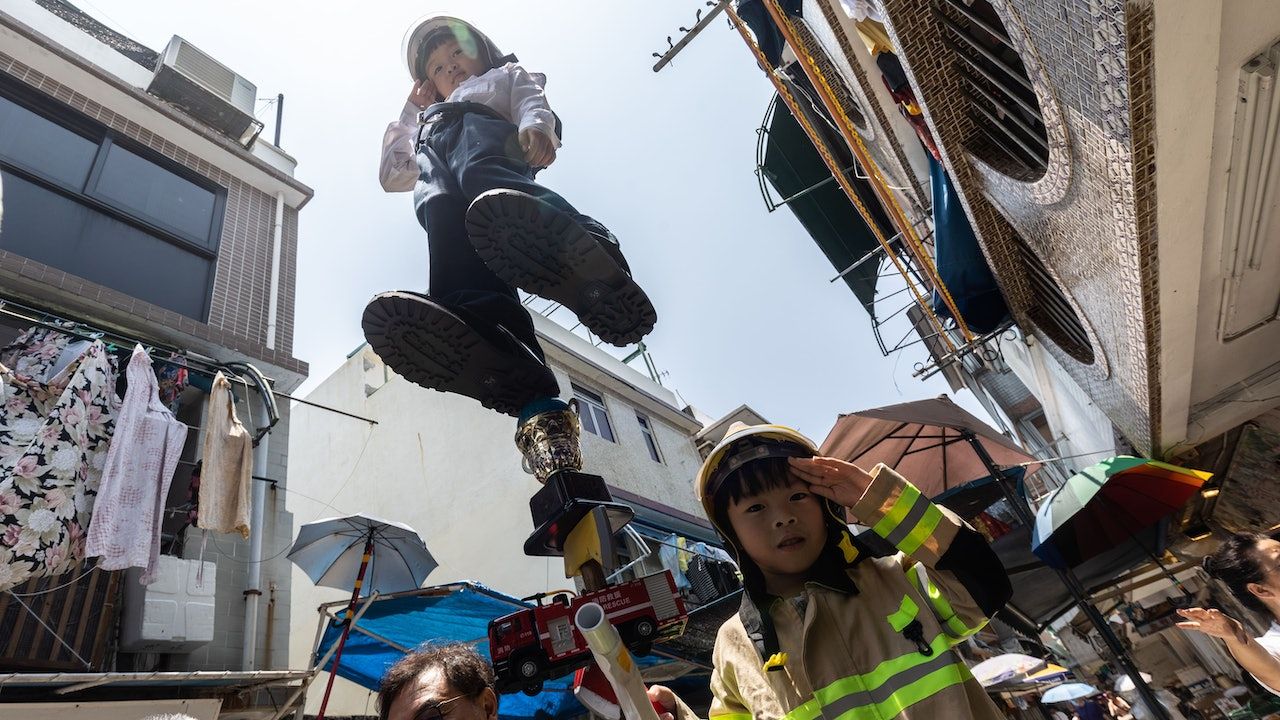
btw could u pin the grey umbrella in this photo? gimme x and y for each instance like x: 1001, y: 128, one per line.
x: 342, y: 552
x: 330, y: 551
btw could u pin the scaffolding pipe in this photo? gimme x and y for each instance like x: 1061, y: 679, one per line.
x: 878, y: 184
x: 834, y: 167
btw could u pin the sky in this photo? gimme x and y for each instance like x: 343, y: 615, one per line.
x: 746, y: 312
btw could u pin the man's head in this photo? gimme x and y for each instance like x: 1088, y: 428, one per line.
x: 777, y: 523
x: 442, y: 681
x: 1249, y: 563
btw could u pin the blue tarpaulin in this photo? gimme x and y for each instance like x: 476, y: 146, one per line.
x: 450, y: 613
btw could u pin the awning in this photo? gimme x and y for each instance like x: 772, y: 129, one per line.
x: 798, y: 174
x: 459, y: 612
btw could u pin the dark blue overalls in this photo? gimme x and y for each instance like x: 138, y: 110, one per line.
x: 466, y: 149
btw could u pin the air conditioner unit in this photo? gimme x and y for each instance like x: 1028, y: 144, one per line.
x: 174, y: 614
x: 206, y: 90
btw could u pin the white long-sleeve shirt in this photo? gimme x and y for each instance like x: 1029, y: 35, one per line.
x: 511, y: 90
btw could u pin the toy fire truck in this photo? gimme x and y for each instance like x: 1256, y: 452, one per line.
x: 533, y: 645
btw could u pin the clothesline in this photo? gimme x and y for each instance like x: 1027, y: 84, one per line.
x: 191, y: 361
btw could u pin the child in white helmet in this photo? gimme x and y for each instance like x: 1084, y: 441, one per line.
x: 473, y: 134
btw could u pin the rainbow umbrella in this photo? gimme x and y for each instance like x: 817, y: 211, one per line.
x: 1108, y: 505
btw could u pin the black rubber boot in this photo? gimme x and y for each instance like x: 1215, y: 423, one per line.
x: 443, y: 349
x: 540, y: 249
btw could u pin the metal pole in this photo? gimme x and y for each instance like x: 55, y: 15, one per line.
x: 1023, y: 511
x: 279, y: 116
x: 346, y: 627
x: 257, y: 512
x: 301, y: 690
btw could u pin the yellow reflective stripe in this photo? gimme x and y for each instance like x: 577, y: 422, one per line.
x: 906, y: 499
x: 729, y: 716
x: 905, y: 613
x: 930, y: 684
x: 922, y: 531
x: 883, y: 672
x: 946, y: 614
x: 894, y: 685
x: 807, y: 711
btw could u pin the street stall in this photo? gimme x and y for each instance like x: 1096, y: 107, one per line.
x: 387, y: 627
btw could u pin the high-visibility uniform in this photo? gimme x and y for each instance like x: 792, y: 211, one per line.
x: 873, y: 640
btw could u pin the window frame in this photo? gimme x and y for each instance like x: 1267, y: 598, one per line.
x: 63, y: 115
x: 650, y: 436
x: 592, y: 401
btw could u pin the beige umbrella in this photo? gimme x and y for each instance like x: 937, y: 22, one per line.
x: 936, y: 443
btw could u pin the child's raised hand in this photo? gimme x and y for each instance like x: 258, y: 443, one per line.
x: 422, y: 94
x: 539, y: 150
x: 832, y: 479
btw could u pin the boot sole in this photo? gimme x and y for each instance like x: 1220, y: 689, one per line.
x: 430, y: 346
x: 541, y: 250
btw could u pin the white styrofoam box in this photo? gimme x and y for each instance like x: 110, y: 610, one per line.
x: 174, y: 614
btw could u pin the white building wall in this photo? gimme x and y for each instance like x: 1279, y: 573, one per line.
x: 449, y: 468
x: 1081, y: 431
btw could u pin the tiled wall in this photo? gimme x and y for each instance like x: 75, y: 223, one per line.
x: 1091, y: 217
x: 238, y: 311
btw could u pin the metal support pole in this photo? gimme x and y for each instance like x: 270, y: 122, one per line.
x: 1072, y: 583
x: 348, y: 622
x: 279, y: 116
x: 257, y: 511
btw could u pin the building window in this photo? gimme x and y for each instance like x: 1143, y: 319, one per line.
x: 650, y: 440
x: 79, y: 198
x: 595, y: 418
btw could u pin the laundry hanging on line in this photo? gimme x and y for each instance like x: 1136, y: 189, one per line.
x: 55, y: 430
x: 144, y: 452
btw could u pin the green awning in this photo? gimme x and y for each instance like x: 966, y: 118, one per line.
x: 798, y: 174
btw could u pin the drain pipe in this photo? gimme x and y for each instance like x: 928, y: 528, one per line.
x: 273, y: 301
x: 253, y: 587
x: 265, y: 416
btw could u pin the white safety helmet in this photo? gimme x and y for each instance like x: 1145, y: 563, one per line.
x: 467, y: 34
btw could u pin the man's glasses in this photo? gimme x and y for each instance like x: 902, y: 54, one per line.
x: 435, y: 710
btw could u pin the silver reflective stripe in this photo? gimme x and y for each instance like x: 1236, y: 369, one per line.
x: 909, y: 523
x: 895, y: 683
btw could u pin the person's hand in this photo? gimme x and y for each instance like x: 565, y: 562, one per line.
x: 1213, y: 622
x: 539, y: 150
x: 661, y: 696
x: 422, y: 94
x: 832, y: 479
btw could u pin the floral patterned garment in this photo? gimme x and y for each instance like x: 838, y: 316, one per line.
x: 125, y: 531
x: 54, y: 432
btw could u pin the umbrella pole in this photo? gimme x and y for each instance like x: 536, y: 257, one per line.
x: 1023, y: 511
x: 346, y: 627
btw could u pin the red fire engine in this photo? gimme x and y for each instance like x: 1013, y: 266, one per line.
x: 533, y: 645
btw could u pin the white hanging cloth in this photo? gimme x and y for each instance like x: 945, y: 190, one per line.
x: 125, y: 528
x: 227, y: 465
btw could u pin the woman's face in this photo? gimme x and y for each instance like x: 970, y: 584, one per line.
x: 1268, y: 591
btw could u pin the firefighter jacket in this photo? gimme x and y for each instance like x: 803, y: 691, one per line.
x: 874, y: 642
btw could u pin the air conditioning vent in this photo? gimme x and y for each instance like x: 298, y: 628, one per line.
x: 206, y: 90
x: 1001, y: 102
x: 1050, y: 309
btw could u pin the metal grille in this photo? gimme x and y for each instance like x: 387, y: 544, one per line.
x: 1008, y: 127
x: 211, y: 73
x: 664, y: 606
x: 1051, y: 311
